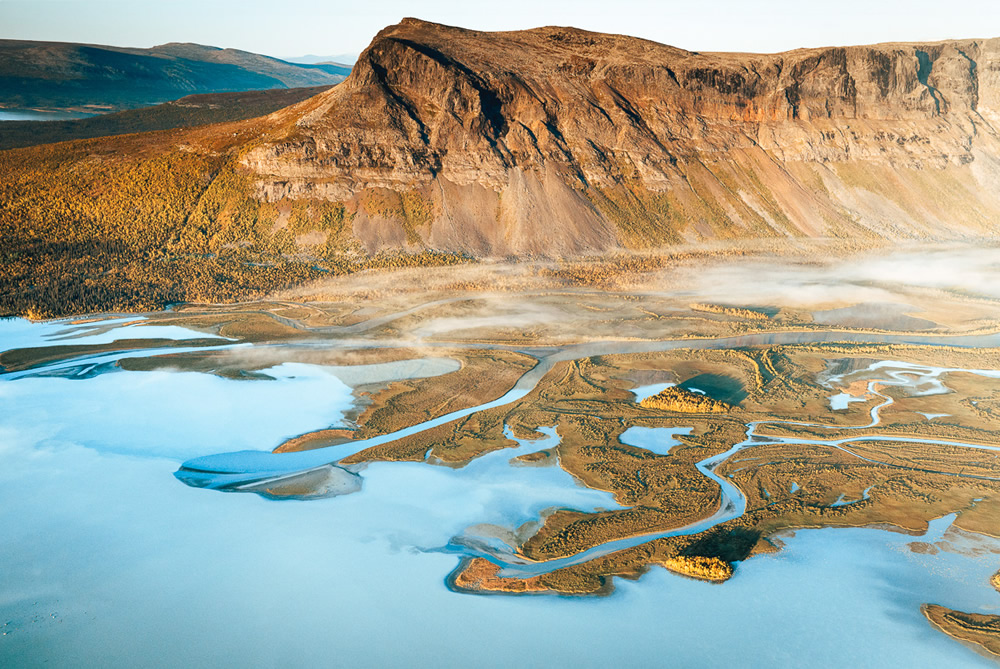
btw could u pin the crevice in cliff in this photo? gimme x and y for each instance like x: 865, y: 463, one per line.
x: 594, y: 105
x: 672, y: 75
x: 792, y: 98
x: 381, y: 74
x: 637, y: 120
x: 552, y: 125
x: 973, y: 79
x: 924, y: 66
x: 489, y: 103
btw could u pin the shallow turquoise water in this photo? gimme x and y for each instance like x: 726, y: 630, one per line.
x: 109, y: 561
x: 35, y: 115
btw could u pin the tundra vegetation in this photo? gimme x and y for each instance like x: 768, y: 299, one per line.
x: 191, y: 110
x: 787, y: 485
x: 99, y: 226
x: 681, y: 400
x: 980, y: 629
x: 730, y: 311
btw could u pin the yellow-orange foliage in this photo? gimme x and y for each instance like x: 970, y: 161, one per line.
x: 122, y: 225
x: 697, y: 566
x: 730, y: 311
x: 680, y: 400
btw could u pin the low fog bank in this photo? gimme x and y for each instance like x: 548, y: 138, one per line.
x: 941, y: 285
x: 862, y: 278
x: 805, y: 276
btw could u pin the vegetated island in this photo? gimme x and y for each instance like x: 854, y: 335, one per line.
x: 682, y: 400
x: 976, y: 628
x: 787, y: 485
x: 480, y: 576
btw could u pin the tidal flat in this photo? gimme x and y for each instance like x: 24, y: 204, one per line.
x: 379, y: 451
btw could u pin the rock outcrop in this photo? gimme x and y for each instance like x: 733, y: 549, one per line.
x: 557, y: 140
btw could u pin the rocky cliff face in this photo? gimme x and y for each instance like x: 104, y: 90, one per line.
x: 557, y: 140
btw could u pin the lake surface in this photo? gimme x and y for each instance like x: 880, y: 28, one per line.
x: 36, y: 115
x: 108, y: 560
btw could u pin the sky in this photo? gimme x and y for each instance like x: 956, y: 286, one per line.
x: 289, y: 28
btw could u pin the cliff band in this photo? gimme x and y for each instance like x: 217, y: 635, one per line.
x: 557, y: 140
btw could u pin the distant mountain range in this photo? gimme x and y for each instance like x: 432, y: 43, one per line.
x: 94, y: 78
x: 311, y: 59
x: 191, y: 110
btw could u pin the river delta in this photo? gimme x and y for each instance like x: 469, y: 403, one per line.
x: 286, y: 481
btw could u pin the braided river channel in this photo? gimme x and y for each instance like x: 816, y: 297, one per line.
x: 109, y: 559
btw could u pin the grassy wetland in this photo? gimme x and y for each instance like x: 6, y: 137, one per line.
x: 714, y: 420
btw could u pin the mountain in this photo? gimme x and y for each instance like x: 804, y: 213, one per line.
x: 344, y: 59
x: 558, y: 140
x: 445, y: 143
x: 57, y: 75
x: 191, y: 110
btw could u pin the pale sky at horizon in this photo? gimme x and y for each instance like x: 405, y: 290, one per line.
x: 292, y: 28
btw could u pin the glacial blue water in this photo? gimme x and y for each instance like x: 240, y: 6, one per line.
x: 657, y: 440
x: 36, y: 115
x: 109, y: 561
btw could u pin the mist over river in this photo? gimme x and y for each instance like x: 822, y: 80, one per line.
x: 108, y: 560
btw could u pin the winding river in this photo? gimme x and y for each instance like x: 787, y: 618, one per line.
x: 732, y: 503
x: 230, y: 471
x: 256, y: 471
x: 259, y: 471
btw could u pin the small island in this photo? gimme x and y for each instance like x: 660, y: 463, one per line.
x: 482, y: 576
x: 711, y: 569
x: 980, y: 629
x: 681, y: 400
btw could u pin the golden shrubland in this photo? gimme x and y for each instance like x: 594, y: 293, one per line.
x: 622, y: 270
x: 973, y: 628
x: 697, y: 566
x: 730, y: 311
x: 121, y: 224
x: 680, y: 400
